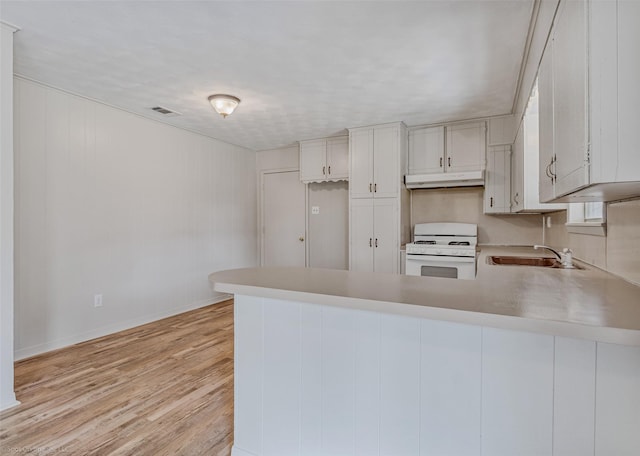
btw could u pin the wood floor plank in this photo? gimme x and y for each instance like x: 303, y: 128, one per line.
x: 162, y: 388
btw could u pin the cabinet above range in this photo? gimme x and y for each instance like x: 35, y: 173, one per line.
x: 324, y: 160
x: 447, y: 156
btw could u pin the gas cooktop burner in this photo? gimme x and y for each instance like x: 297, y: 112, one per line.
x: 459, y: 243
x: 425, y: 242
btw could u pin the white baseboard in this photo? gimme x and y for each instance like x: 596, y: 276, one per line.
x: 113, y: 328
x: 235, y: 451
x: 7, y: 405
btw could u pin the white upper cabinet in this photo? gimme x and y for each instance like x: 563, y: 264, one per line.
x: 594, y: 97
x: 546, y: 172
x: 426, y: 150
x: 569, y: 51
x: 387, y: 176
x: 323, y: 160
x: 338, y: 158
x: 313, y: 160
x: 447, y: 149
x: 497, y: 187
x: 466, y: 147
x: 376, y: 161
x: 525, y: 164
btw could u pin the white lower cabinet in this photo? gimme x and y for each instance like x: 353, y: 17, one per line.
x: 374, y: 235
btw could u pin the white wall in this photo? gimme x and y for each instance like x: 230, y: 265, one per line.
x: 465, y: 205
x: 7, y: 395
x: 328, y: 231
x: 114, y: 204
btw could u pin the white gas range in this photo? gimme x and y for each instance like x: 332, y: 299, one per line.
x: 443, y: 250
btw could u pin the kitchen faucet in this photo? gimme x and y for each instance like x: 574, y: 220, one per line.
x: 548, y: 248
x: 564, y: 258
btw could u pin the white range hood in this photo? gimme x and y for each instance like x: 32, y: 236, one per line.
x: 438, y: 180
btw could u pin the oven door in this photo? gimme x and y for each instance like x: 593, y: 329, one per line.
x: 441, y: 266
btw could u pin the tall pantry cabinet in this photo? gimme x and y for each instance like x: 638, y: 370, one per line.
x: 378, y: 200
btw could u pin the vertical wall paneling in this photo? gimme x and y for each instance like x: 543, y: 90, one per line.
x: 321, y: 380
x: 517, y: 393
x: 573, y: 397
x: 111, y: 203
x: 617, y: 400
x: 7, y: 217
x: 338, y: 381
x: 400, y: 386
x: 311, y: 380
x: 282, y: 372
x: 248, y: 373
x: 450, y: 379
x: 367, y: 426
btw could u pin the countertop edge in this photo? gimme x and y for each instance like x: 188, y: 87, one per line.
x: 603, y: 334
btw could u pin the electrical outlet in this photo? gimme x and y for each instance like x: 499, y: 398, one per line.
x: 97, y: 300
x: 315, y: 210
x: 549, y: 222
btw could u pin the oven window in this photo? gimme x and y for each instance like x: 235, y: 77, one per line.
x: 439, y: 271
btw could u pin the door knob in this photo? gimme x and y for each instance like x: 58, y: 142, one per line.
x: 301, y: 239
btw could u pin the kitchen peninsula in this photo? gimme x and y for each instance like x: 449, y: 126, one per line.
x: 521, y: 360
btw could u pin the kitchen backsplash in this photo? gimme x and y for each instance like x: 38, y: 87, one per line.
x: 466, y: 205
x: 618, y: 252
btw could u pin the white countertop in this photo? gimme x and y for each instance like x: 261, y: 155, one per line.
x: 589, y: 304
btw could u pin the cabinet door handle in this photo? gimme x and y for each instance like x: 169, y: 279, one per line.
x: 547, y: 171
x: 323, y: 169
x: 370, y: 187
x: 376, y: 243
x: 515, y: 198
x: 370, y: 242
x: 440, y: 162
x: 329, y: 169
x: 491, y: 202
x: 375, y: 188
x: 449, y: 160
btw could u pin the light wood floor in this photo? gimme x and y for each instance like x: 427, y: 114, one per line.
x: 165, y: 388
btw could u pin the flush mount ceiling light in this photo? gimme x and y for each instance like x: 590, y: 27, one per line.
x: 224, y: 104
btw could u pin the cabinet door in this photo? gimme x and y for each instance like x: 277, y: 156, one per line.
x: 361, y: 235
x: 517, y: 172
x: 338, y: 158
x: 385, y: 242
x: 466, y: 147
x: 545, y: 119
x: 497, y: 189
x: 361, y: 163
x: 570, y: 96
x: 426, y: 150
x: 386, y: 161
x: 313, y: 160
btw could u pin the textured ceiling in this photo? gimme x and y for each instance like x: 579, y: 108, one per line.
x: 303, y: 69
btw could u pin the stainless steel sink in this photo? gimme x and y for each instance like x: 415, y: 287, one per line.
x: 543, y: 262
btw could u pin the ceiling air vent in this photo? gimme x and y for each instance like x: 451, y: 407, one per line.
x: 165, y: 112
